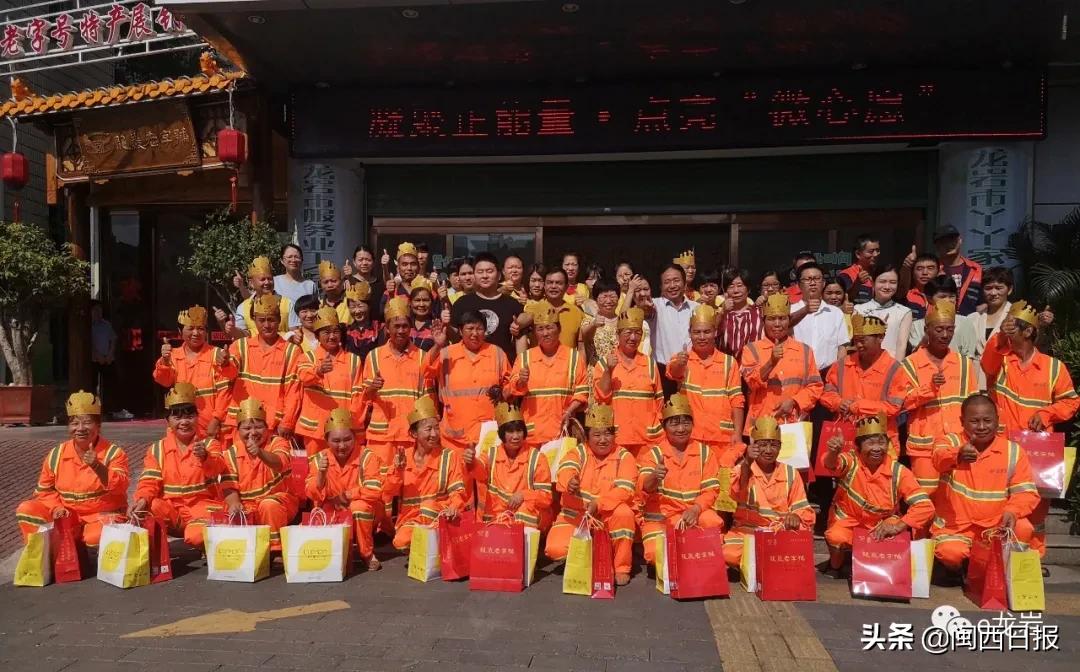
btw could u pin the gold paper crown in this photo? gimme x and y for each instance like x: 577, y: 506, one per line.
x: 267, y: 305
x: 685, y: 259
x: 339, y: 418
x: 544, y: 313
x: 704, y: 315
x: 260, y: 267
x: 632, y: 318
x: 83, y: 403
x: 180, y: 394
x: 777, y: 305
x: 765, y: 429
x: 419, y: 282
x: 194, y: 316
x: 677, y: 405
x: 600, y: 416
x: 941, y: 310
x: 870, y: 425
x: 326, y: 317
x: 1022, y: 310
x: 505, y: 413
x: 867, y: 325
x: 405, y: 248
x: 396, y: 307
x: 250, y: 409
x: 423, y: 408
x: 358, y: 291
x: 327, y: 269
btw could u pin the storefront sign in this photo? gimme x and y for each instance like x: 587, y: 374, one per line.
x: 143, y: 137
x: 327, y: 215
x: 114, y: 24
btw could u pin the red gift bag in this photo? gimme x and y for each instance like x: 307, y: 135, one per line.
x: 455, y: 545
x: 603, y: 565
x: 881, y: 568
x: 160, y: 561
x: 829, y: 429
x: 696, y: 566
x: 67, y: 550
x: 1046, y: 453
x: 984, y: 583
x: 785, y: 565
x: 319, y: 516
x: 223, y: 518
x: 298, y: 474
x: 497, y: 560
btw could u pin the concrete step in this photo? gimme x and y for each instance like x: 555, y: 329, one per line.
x: 1056, y: 522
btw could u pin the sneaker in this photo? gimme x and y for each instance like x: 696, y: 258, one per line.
x: 373, y: 564
x: 622, y: 579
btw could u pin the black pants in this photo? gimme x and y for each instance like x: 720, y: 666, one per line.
x: 670, y: 387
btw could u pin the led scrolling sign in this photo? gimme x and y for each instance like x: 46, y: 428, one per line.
x: 710, y: 114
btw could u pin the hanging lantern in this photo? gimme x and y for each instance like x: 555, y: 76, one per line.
x: 232, y: 146
x: 15, y: 170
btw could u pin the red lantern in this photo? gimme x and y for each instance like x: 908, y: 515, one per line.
x: 232, y: 146
x: 15, y: 170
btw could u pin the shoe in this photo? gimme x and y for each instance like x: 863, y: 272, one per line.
x: 373, y: 564
x: 622, y: 579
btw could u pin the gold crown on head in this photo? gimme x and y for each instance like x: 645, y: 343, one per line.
x: 632, y: 318
x: 704, y: 315
x: 685, y: 259
x: 406, y: 248
x: 326, y: 317
x: 180, y: 394
x: 339, y: 418
x: 1024, y: 311
x: 421, y: 283
x: 327, y: 269
x: 867, y: 325
x: 776, y: 305
x: 506, y: 413
x: 544, y: 313
x: 194, y: 316
x: 423, y: 408
x: 396, y: 307
x: 83, y: 403
x: 941, y: 310
x: 267, y: 305
x: 358, y: 291
x: 250, y: 409
x: 677, y: 405
x: 600, y: 416
x: 870, y: 425
x: 765, y: 429
x: 260, y: 267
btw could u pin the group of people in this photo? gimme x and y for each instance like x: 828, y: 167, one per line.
x: 384, y: 381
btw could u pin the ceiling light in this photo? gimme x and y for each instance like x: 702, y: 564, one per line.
x: 570, y: 7
x: 256, y: 19
x: 411, y: 13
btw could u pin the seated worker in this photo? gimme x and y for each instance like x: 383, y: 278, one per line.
x: 679, y: 477
x: 85, y: 477
x: 767, y: 492
x: 428, y: 478
x: 257, y: 467
x: 597, y: 480
x: 347, y: 476
x: 332, y: 378
x: 986, y: 483
x: 179, y: 479
x: 870, y: 487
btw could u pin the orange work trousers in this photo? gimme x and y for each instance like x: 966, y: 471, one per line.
x: 925, y: 473
x: 276, y: 511
x: 651, y: 530
x: 953, y: 546
x: 31, y: 514
x: 620, y: 525
x: 190, y: 520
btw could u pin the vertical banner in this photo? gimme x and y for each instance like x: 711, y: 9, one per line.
x: 326, y: 210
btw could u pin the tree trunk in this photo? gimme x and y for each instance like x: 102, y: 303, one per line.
x: 15, y: 347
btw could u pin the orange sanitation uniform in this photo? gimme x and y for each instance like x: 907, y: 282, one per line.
x: 268, y: 373
x: 403, y: 384
x: 974, y: 495
x: 881, y: 388
x: 426, y: 489
x: 763, y: 502
x: 608, y: 481
x: 528, y: 474
x: 554, y: 382
x: 1042, y: 386
x: 691, y: 479
x: 934, y: 411
x: 323, y: 392
x: 360, y: 480
x: 263, y: 491
x: 864, y: 498
x: 180, y: 488
x: 636, y: 397
x: 65, y: 481
x: 211, y: 382
x: 464, y: 379
x: 713, y: 387
x: 795, y: 376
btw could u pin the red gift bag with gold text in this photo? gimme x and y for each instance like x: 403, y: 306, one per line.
x: 696, y: 566
x: 785, y: 565
x: 455, y: 545
x: 497, y: 561
x: 829, y: 429
x: 67, y: 550
x: 984, y: 583
x: 160, y: 561
x: 1046, y: 453
x: 603, y: 565
x: 881, y: 568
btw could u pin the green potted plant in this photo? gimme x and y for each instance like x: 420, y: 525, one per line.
x: 36, y: 276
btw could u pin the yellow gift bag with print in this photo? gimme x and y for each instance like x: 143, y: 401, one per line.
x: 1023, y: 578
x: 577, y: 575
x: 124, y: 555
x: 424, y: 559
x: 532, y: 552
x: 315, y: 553
x: 663, y: 582
x: 237, y: 552
x: 35, y: 563
x: 724, y: 501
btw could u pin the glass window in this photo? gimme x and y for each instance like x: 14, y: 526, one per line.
x: 501, y: 245
x: 773, y: 249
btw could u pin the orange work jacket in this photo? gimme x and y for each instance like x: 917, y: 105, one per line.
x: 636, y: 397
x: 66, y: 481
x: 252, y: 478
x: 1042, y: 386
x: 211, y: 382
x: 713, y: 387
x: 609, y: 481
x: 268, y: 373
x: 977, y: 493
x: 176, y: 474
x: 795, y: 376
x: 767, y: 498
x: 528, y: 474
x: 934, y: 412
x: 361, y: 477
x: 872, y: 496
x: 554, y: 383
x: 464, y: 379
x: 692, y: 478
x: 881, y: 388
x: 428, y: 487
x: 323, y: 392
x: 403, y: 383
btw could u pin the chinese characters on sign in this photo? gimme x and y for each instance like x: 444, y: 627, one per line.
x: 318, y: 214
x: 121, y: 23
x: 989, y: 211
x: 136, y: 138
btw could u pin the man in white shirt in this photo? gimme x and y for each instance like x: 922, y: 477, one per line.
x: 669, y: 321
x: 816, y: 323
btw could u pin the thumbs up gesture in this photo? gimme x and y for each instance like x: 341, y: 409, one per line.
x: 523, y: 377
x: 327, y: 365
x: 321, y: 462
x: 89, y: 456
x: 909, y: 260
x: 385, y: 261
x: 1046, y: 317
x: 166, y: 351
x: 661, y: 469
x: 296, y: 336
x: 681, y: 357
x: 777, y: 352
x: 237, y: 280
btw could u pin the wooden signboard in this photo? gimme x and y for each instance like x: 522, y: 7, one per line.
x: 137, y: 138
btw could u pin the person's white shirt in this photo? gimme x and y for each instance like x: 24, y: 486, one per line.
x: 895, y: 316
x: 669, y: 327
x: 980, y: 322
x: 824, y: 331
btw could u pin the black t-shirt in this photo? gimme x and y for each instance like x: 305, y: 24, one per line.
x: 499, y: 312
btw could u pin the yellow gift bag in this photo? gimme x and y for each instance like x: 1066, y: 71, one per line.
x: 1023, y: 578
x: 35, y: 563
x: 795, y: 440
x: 237, y: 552
x: 124, y: 555
x: 660, y: 556
x: 577, y: 576
x: 748, y: 564
x: 724, y: 501
x: 555, y: 450
x: 532, y: 552
x: 424, y: 559
x: 922, y: 564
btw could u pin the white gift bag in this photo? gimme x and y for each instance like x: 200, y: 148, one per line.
x: 663, y: 580
x: 124, y: 555
x: 555, y: 450
x: 237, y: 552
x: 315, y: 553
x: 795, y: 439
x: 748, y: 563
x: 425, y: 563
x: 489, y: 436
x: 922, y: 564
